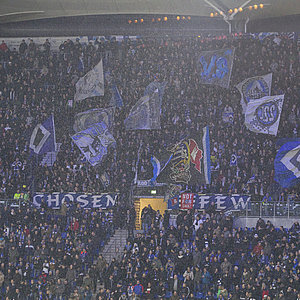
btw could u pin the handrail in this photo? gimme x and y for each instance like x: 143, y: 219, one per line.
x: 11, y: 202
x: 272, y: 209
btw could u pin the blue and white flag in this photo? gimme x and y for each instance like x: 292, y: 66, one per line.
x: 254, y: 88
x: 251, y: 179
x: 116, y: 99
x: 87, y: 118
x: 94, y: 142
x: 43, y: 137
x: 91, y: 84
x: 215, y: 67
x: 287, y: 164
x: 155, y: 85
x: 156, y: 167
x: 233, y: 160
x: 227, y: 115
x: 145, y: 114
x: 263, y: 115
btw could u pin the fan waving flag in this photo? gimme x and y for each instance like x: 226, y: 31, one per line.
x: 43, y: 137
x: 91, y: 84
x: 188, y: 162
x: 287, y: 164
x: 263, y: 115
x: 254, y: 88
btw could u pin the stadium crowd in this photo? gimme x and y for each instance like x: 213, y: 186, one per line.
x: 36, y: 82
x: 203, y: 256
x: 49, y: 254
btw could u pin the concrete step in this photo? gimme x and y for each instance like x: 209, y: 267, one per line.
x: 114, y: 248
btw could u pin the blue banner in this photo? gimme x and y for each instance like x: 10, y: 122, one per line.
x: 197, y: 201
x: 55, y: 200
x: 287, y: 164
x: 215, y: 67
x: 94, y: 142
x: 148, y: 183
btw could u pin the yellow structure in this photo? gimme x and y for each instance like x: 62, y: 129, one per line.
x: 157, y: 203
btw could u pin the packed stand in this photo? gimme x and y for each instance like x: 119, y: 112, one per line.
x: 46, y: 254
x: 53, y: 254
x: 201, y: 256
x: 37, y: 81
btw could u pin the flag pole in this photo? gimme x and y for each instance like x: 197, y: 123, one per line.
x: 137, y: 163
x: 54, y: 133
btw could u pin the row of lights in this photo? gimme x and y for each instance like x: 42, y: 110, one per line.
x: 240, y: 9
x: 159, y: 19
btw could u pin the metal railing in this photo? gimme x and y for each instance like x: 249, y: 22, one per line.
x: 271, y: 209
x: 12, y: 202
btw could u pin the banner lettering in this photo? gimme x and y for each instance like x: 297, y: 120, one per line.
x: 55, y: 200
x: 198, y: 201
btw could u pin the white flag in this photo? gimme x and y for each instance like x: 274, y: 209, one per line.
x: 263, y: 115
x: 254, y: 88
x: 91, y: 84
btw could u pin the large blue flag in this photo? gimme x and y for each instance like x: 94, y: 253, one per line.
x: 43, y: 137
x: 145, y: 114
x: 287, y: 164
x: 215, y: 67
x: 94, y: 142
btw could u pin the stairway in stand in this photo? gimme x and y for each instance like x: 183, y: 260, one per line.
x: 114, y: 248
